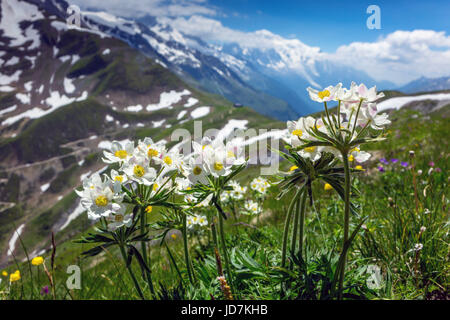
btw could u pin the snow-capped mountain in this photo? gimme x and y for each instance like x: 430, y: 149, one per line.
x: 252, y: 75
x: 426, y: 84
x: 174, y: 51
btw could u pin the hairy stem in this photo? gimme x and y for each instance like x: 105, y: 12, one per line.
x: 186, y: 251
x: 144, y: 252
x: 302, y: 223
x: 346, y: 220
x: 286, y: 229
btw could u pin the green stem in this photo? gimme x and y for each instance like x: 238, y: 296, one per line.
x: 186, y: 251
x: 346, y: 220
x: 286, y: 229
x: 225, y: 252
x: 144, y: 252
x: 295, y: 225
x: 302, y: 223
x: 133, y: 277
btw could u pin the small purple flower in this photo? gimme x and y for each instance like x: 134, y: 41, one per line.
x: 394, y: 160
x: 384, y: 161
x: 44, y: 290
x: 431, y: 164
x: 438, y: 170
x: 381, y: 169
x: 404, y: 164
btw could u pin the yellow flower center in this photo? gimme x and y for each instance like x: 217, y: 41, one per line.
x: 118, y: 178
x: 310, y: 149
x: 197, y: 170
x: 359, y: 168
x: 168, y: 160
x: 139, y: 171
x: 293, y: 168
x: 152, y: 153
x: 355, y: 149
x: 327, y: 187
x: 174, y: 236
x: 101, y: 201
x: 118, y: 218
x: 323, y: 94
x: 230, y: 154
x: 122, y: 154
x: 351, y: 158
x: 149, y: 209
x: 297, y: 132
x: 218, y: 166
x: 155, y: 186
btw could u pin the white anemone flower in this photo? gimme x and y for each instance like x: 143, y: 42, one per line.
x: 118, y: 180
x: 182, y: 184
x: 138, y: 170
x: 217, y: 161
x: 119, y: 219
x: 369, y: 95
x: 377, y: 121
x: 251, y: 208
x: 327, y: 94
x: 98, y: 197
x: 194, y: 171
x: 259, y: 185
x: 196, y: 220
x: 171, y: 160
x: 120, y: 152
x: 150, y: 149
x: 358, y: 155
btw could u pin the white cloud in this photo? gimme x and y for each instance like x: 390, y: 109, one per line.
x: 401, y: 56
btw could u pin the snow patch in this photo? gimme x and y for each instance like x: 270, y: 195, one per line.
x: 14, y: 238
x: 44, y: 187
x: 157, y: 124
x: 181, y: 114
x: 167, y: 99
x: 69, y: 86
x: 135, y: 108
x: 200, y: 112
x: 191, y: 102
x: 398, y: 102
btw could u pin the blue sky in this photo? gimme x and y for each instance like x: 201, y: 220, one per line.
x: 329, y: 24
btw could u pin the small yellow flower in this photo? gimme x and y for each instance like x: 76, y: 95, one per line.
x: 36, y: 261
x: 323, y: 94
x: 4, y: 273
x: 351, y: 158
x: 148, y: 209
x: 293, y: 168
x: 358, y: 167
x: 14, y: 276
x: 327, y: 187
x: 174, y: 236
